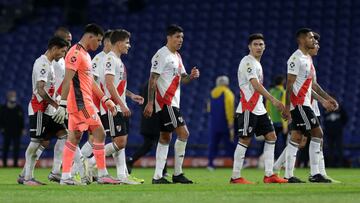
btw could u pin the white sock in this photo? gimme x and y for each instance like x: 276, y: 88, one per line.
x: 30, y: 159
x: 78, y: 164
x: 92, y: 161
x: 65, y: 176
x: 322, y: 164
x: 87, y: 149
x: 161, y: 156
x: 179, y: 156
x: 111, y: 148
x: 58, y: 152
x: 239, y: 157
x: 290, y: 156
x: 269, y: 148
x: 280, y: 161
x: 119, y: 158
x: 39, y: 151
x: 102, y: 172
x: 314, y: 155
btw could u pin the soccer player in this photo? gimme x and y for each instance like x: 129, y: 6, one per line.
x: 77, y: 89
x: 300, y: 83
x: 251, y: 113
x: 41, y: 106
x: 97, y: 61
x: 113, y: 77
x: 167, y: 72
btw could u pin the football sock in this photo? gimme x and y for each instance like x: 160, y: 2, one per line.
x: 239, y: 157
x: 290, y: 156
x: 269, y: 148
x: 99, y: 154
x: 179, y: 156
x: 161, y: 156
x: 314, y: 155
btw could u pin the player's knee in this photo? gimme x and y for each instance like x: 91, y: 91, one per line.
x: 165, y: 138
x: 271, y: 137
x: 45, y: 143
x: 120, y: 142
x: 245, y: 141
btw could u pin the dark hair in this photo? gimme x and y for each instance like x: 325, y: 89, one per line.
x: 255, y: 36
x: 316, y: 36
x: 172, y: 29
x: 107, y: 35
x: 57, y: 42
x: 302, y: 31
x: 119, y: 35
x: 61, y: 31
x: 278, y: 80
x: 94, y: 29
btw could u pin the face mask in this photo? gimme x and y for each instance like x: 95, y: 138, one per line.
x: 12, y: 99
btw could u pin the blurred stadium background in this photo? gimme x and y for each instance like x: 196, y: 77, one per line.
x: 215, y: 41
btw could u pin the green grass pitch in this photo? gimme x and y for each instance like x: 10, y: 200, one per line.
x: 209, y: 187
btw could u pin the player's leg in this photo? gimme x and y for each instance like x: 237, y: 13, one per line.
x: 314, y: 154
x: 162, y: 150
x: 55, y: 174
x: 179, y: 154
x: 149, y: 141
x: 246, y: 122
x: 290, y: 156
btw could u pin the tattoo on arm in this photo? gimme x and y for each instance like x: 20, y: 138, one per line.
x: 152, y: 86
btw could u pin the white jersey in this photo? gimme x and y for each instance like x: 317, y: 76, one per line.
x: 170, y: 68
x: 301, y: 66
x: 113, y: 65
x: 251, y: 100
x: 97, y: 63
x: 314, y: 102
x: 42, y: 71
x: 59, y: 69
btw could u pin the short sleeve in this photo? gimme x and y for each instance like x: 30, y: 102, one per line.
x: 109, y: 65
x: 250, y: 71
x: 158, y: 63
x: 293, y: 65
x: 95, y: 64
x: 41, y: 71
x: 73, y: 59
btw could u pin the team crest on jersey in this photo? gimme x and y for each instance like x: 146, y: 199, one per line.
x: 73, y: 59
x: 313, y: 120
x: 118, y: 128
x: 42, y: 71
x: 93, y: 117
x: 250, y: 129
x: 108, y: 65
x: 292, y: 65
x: 181, y: 119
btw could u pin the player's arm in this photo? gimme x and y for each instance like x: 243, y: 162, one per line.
x: 325, y: 103
x: 289, y: 89
x: 40, y: 86
x: 261, y: 89
x: 151, y: 94
x: 106, y: 100
x: 60, y: 113
x: 185, y: 78
x: 317, y: 88
x: 136, y: 98
x: 109, y: 82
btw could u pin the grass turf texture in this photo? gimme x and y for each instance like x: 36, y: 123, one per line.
x: 210, y: 187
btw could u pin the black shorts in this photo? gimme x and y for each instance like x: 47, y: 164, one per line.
x: 250, y: 124
x: 42, y: 126
x: 170, y: 118
x: 303, y: 119
x: 115, y: 125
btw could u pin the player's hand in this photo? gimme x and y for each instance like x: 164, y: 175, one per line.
x: 328, y: 105
x: 110, y: 105
x: 138, y: 99
x: 278, y: 105
x: 334, y: 103
x: 125, y: 111
x: 60, y: 113
x: 286, y: 113
x: 148, y: 110
x: 195, y: 73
